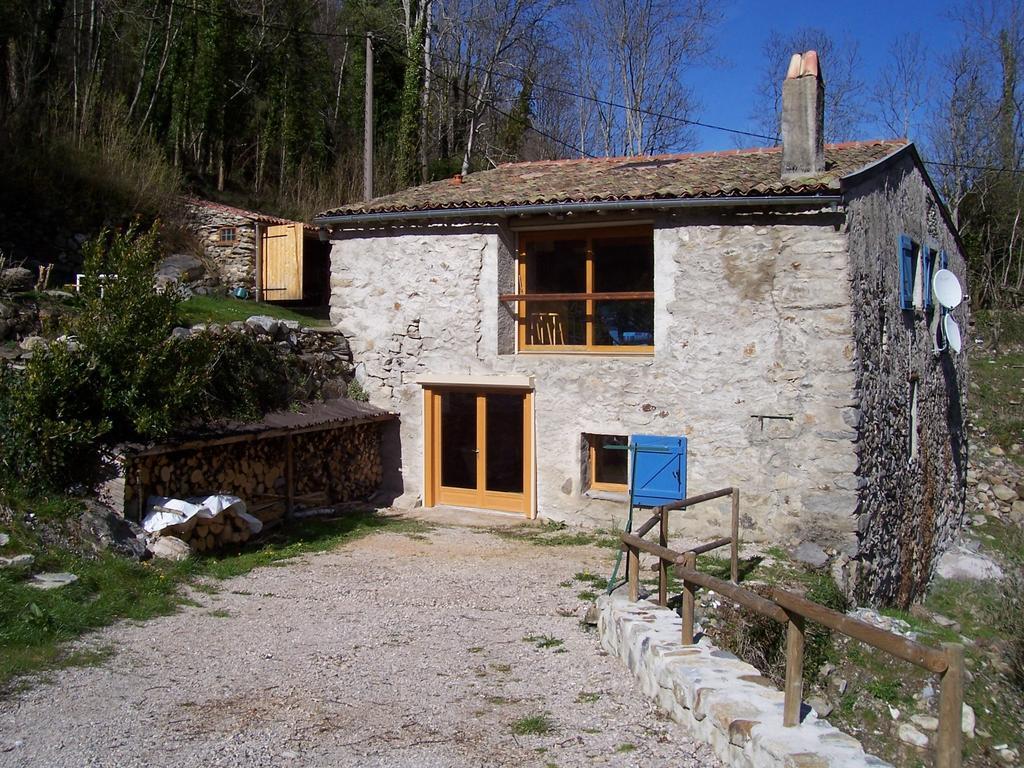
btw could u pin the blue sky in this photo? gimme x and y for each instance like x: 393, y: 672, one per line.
x: 727, y: 91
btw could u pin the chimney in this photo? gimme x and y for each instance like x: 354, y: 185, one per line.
x: 803, y: 118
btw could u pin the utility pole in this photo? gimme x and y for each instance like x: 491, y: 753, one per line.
x: 368, y: 124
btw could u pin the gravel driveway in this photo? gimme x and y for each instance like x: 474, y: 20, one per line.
x: 393, y: 650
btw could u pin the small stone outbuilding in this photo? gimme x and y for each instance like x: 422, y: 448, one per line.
x: 270, y: 258
x: 772, y: 305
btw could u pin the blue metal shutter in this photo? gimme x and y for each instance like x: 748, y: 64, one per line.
x: 906, y: 261
x: 659, y: 469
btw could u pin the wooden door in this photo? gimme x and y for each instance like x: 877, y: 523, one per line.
x: 281, y: 273
x: 479, y: 448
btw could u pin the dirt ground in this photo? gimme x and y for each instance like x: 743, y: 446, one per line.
x: 393, y: 650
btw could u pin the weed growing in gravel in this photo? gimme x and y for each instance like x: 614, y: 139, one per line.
x: 587, y: 697
x: 588, y: 595
x: 219, y: 613
x: 503, y: 668
x: 625, y: 747
x: 534, y: 725
x: 557, y: 535
x: 475, y: 649
x: 544, y: 641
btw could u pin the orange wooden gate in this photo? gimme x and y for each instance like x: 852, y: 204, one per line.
x: 281, y: 273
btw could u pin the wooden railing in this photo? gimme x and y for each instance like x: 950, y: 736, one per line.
x: 792, y: 610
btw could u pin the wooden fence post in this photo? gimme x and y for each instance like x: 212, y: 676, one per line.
x: 689, y: 599
x: 633, y: 569
x: 662, y: 562
x: 794, y: 669
x: 949, y: 739
x: 735, y: 549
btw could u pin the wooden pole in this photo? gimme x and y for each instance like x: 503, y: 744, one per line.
x: 633, y: 571
x: 949, y: 739
x: 735, y: 550
x: 662, y: 562
x: 794, y: 670
x: 289, y: 479
x: 689, y: 600
x: 368, y: 124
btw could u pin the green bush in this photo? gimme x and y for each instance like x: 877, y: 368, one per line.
x: 121, y: 375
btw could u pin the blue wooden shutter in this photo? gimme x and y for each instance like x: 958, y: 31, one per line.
x: 906, y: 261
x: 659, y: 469
x: 926, y: 278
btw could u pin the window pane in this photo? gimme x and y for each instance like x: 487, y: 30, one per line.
x: 505, y: 443
x: 624, y: 323
x: 556, y: 266
x: 458, y: 440
x: 556, y: 323
x: 623, y: 264
x: 611, y: 462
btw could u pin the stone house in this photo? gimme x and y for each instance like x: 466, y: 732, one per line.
x: 271, y: 258
x: 772, y: 305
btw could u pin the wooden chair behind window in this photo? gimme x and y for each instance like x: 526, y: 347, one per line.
x: 545, y: 328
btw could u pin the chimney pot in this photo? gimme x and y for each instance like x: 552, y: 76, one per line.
x: 803, y: 118
x: 457, y: 179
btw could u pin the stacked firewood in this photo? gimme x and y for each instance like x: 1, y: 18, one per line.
x: 205, y: 534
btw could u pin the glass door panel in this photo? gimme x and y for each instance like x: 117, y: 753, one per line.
x: 504, y: 438
x: 458, y: 440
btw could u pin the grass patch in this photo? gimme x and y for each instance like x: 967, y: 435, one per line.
x: 552, y: 534
x: 627, y: 747
x: 223, y: 309
x: 997, y: 399
x: 544, y: 641
x: 587, y: 595
x: 587, y: 697
x: 476, y: 649
x: 534, y: 725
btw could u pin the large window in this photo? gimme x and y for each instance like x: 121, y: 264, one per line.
x: 586, y: 290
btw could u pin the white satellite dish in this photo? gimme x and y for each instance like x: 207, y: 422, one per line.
x: 952, y: 333
x: 946, y: 288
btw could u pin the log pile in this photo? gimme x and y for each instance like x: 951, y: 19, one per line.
x: 330, y: 466
x: 205, y: 534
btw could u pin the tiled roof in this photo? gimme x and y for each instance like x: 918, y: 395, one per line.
x: 736, y: 173
x: 230, y: 209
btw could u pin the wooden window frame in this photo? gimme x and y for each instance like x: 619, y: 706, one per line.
x: 595, y: 484
x: 589, y: 296
x: 220, y: 239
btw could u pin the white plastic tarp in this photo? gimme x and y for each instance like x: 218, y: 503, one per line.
x: 165, y: 512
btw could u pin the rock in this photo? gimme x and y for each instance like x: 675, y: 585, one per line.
x: 4, y: 539
x: 1004, y: 493
x: 31, y: 342
x: 592, y: 614
x: 169, y: 548
x: 978, y: 520
x: 908, y: 734
x: 16, y: 279
x: 810, y: 553
x: 58, y: 294
x: 52, y: 580
x: 925, y: 722
x: 105, y: 529
x: 17, y: 563
x: 1008, y: 756
x: 263, y: 323
x: 179, y: 268
x: 1017, y: 511
x: 180, y: 333
x: 967, y: 721
x: 960, y: 564
x: 821, y: 706
x: 945, y: 621
x: 893, y: 712
x: 995, y: 450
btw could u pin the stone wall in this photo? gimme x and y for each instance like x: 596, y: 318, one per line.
x: 752, y: 316
x: 911, y: 505
x: 234, y: 264
x: 331, y: 467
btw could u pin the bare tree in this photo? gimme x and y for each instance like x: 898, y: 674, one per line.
x: 902, y: 94
x: 844, y: 88
x: 631, y: 58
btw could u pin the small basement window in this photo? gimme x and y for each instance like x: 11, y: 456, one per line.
x: 227, y: 235
x: 608, y: 462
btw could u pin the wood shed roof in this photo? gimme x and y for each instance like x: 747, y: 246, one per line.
x: 310, y: 417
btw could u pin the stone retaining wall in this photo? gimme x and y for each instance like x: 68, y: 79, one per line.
x: 715, y: 696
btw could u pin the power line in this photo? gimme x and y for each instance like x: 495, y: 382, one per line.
x: 965, y: 166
